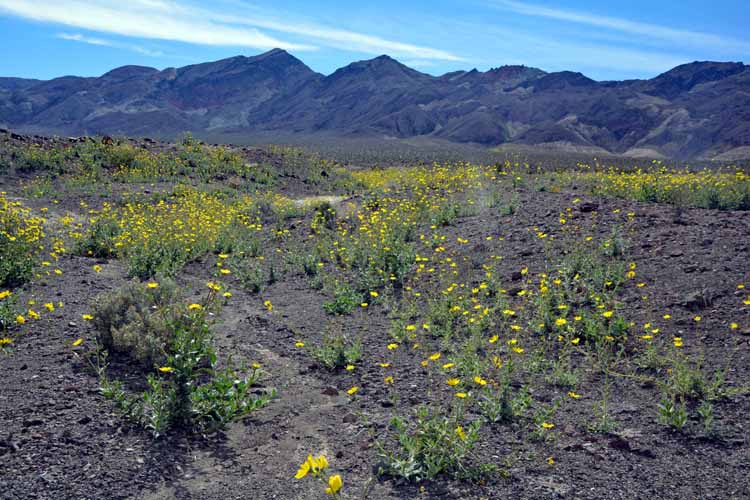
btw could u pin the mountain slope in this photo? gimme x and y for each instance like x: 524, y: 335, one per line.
x: 701, y: 109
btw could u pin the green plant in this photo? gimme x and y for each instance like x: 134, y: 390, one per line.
x: 435, y: 444
x: 250, y: 272
x: 672, y: 413
x: 99, y: 241
x: 542, y: 424
x: 7, y: 316
x: 603, y: 419
x: 189, y: 391
x: 706, y: 414
x: 345, y: 299
x: 20, y: 235
x: 501, y: 406
x: 165, y: 258
x: 337, y: 351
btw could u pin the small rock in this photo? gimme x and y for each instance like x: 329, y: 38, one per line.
x: 350, y: 418
x: 330, y: 391
x: 698, y: 300
x: 32, y: 422
x: 588, y: 206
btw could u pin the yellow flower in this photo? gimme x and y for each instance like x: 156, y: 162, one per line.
x: 608, y: 314
x: 392, y: 346
x: 453, y: 381
x: 561, y: 322
x: 152, y: 285
x: 87, y: 317
x: 547, y: 425
x: 388, y: 379
x: 479, y: 380
x: 384, y: 365
x: 374, y: 294
x: 195, y: 307
x: 166, y: 369
x: 299, y: 344
x: 667, y: 316
x: 734, y: 326
x: 58, y: 272
x: 461, y: 395
x: 77, y: 342
x: 349, y: 368
x: 5, y: 341
x: 334, y: 484
x: 461, y: 434
x: 574, y: 395
x: 225, y: 271
x: 494, y: 339
x: 33, y: 314
x: 677, y: 341
x: 97, y: 268
x: 227, y: 295
x: 697, y: 318
x: 411, y: 328
x: 49, y: 306
x: 303, y: 469
x: 352, y: 391
x: 435, y: 357
x: 550, y: 461
x: 223, y: 255
x: 268, y: 305
x: 575, y: 341
x: 518, y: 350
x: 5, y: 293
x: 447, y: 366
x: 364, y: 304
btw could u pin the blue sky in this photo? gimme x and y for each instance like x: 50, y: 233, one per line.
x: 616, y: 39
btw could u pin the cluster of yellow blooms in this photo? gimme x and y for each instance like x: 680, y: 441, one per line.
x: 17, y: 224
x: 709, y: 188
x: 316, y: 466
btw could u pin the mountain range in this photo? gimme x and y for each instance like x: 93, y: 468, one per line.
x: 696, y: 110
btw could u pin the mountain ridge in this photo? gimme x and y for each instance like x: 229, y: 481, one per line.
x: 695, y: 110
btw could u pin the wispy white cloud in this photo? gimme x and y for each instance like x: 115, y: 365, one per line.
x: 77, y: 37
x: 333, y: 37
x: 226, y: 24
x: 646, y: 30
x: 142, y: 19
x: 418, y: 63
x: 498, y: 45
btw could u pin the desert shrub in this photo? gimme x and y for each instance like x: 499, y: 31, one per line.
x: 20, y: 236
x: 166, y: 258
x: 137, y: 320
x: 99, y: 241
x: 7, y: 310
x: 35, y: 158
x: 188, y: 391
x: 345, y: 299
x: 250, y: 272
x: 337, y: 351
x: 435, y: 444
